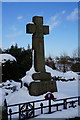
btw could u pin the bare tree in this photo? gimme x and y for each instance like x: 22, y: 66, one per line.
x: 64, y: 61
x: 75, y: 53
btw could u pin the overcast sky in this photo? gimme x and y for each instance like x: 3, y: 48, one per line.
x: 62, y: 18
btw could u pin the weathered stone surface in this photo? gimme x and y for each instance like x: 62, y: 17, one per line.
x: 42, y: 87
x: 39, y: 60
x: 30, y: 28
x: 42, y: 76
x: 38, y: 30
x: 37, y: 20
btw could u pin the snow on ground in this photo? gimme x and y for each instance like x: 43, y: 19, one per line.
x: 68, y: 75
x: 6, y: 57
x: 28, y: 78
x: 6, y: 88
x: 2, y: 97
x: 69, y: 113
x: 11, y: 83
x: 65, y: 89
x: 54, y: 72
x: 23, y: 96
x: 69, y: 88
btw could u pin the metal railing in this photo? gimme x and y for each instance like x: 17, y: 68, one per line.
x: 28, y: 109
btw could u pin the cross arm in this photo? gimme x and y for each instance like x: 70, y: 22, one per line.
x: 45, y: 29
x: 30, y: 28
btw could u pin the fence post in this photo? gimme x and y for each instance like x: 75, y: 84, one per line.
x: 73, y: 102
x: 41, y: 108
x: 79, y: 100
x: 65, y: 104
x: 19, y: 112
x: 57, y: 107
x: 27, y: 110
x: 33, y: 110
x: 49, y: 105
x: 10, y: 111
x: 4, y: 111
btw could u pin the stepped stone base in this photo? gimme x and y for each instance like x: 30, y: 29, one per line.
x: 39, y: 88
x: 42, y: 76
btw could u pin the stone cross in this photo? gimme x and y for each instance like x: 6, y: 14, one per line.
x: 46, y: 83
x: 38, y: 30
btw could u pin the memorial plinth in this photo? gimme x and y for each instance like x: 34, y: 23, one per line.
x: 42, y: 87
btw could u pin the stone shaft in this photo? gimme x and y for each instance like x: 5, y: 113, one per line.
x: 38, y: 30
